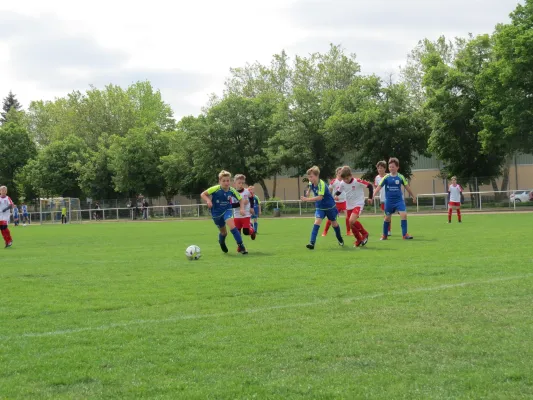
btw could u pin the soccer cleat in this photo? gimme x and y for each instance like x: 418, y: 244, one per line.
x: 383, y: 237
x: 365, y: 239
x: 224, y: 247
x: 9, y: 244
x: 341, y: 243
x: 357, y: 243
x: 407, y: 236
x: 253, y: 235
x: 242, y: 249
x: 349, y: 234
x: 324, y: 234
x: 389, y: 234
x: 310, y: 246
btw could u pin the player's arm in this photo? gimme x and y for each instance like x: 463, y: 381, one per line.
x: 370, y: 192
x: 240, y: 199
x: 207, y: 193
x: 320, y: 196
x: 408, y: 188
x: 9, y: 206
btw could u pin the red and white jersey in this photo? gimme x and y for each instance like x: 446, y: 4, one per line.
x: 377, y: 181
x: 355, y: 192
x: 245, y: 194
x: 455, y: 193
x: 5, y: 201
x: 335, y: 185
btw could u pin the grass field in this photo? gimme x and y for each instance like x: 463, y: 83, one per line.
x: 115, y: 311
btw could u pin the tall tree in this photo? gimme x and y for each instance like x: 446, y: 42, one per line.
x: 507, y: 86
x: 10, y: 103
x: 16, y: 149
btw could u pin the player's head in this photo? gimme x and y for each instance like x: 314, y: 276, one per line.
x: 313, y: 174
x: 346, y: 174
x: 394, y: 165
x: 251, y: 189
x: 224, y: 179
x: 381, y: 166
x: 238, y: 181
x: 454, y: 180
x: 3, y: 190
x: 338, y: 172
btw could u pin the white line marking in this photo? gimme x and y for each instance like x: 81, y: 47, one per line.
x: 257, y: 310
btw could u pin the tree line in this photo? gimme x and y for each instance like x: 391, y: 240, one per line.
x: 468, y: 101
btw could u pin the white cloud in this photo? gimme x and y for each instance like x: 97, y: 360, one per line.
x: 48, y: 48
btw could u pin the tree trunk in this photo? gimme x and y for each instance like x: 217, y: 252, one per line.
x: 505, y: 180
x: 265, y: 189
x: 274, y: 185
x: 472, y: 196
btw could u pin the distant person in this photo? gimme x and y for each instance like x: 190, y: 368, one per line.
x: 25, y: 215
x: 63, y: 215
x: 455, y: 192
x: 5, y: 214
x: 16, y: 215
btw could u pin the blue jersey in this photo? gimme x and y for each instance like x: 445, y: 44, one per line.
x: 393, y: 187
x: 24, y: 209
x: 15, y: 212
x: 221, y: 199
x: 322, y: 189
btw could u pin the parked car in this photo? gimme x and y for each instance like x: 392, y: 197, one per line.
x: 521, y: 196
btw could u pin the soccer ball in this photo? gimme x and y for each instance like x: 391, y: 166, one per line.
x: 193, y: 252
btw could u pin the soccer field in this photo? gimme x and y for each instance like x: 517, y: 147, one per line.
x: 116, y: 311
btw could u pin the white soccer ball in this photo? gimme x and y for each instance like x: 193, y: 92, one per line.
x: 193, y: 252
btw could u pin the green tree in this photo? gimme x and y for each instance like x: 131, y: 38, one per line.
x: 95, y: 177
x: 16, y: 149
x: 506, y: 85
x: 10, y: 103
x: 455, y: 105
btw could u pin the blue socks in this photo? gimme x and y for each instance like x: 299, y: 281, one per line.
x: 386, y: 228
x: 237, y: 235
x: 221, y: 238
x: 255, y: 227
x: 314, y: 233
x: 338, y: 233
x: 404, y: 227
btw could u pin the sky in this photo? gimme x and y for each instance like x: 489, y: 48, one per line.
x: 186, y: 48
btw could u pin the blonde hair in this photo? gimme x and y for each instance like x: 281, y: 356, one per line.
x: 346, y: 171
x: 238, y: 177
x: 314, y: 170
x: 338, y: 170
x: 224, y: 174
x: 381, y: 164
x: 454, y: 177
x: 3, y: 187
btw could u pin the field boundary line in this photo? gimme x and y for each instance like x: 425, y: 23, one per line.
x: 250, y: 311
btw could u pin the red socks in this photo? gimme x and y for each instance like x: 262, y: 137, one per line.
x: 347, y: 225
x: 6, y: 235
x: 459, y: 215
x: 328, y: 224
x: 450, y: 211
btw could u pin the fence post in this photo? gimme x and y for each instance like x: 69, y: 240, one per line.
x: 198, y: 210
x: 180, y: 212
x: 417, y: 207
x: 433, y: 182
x: 300, y: 206
x: 117, y: 215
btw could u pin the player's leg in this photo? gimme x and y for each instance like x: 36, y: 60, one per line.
x: 364, y: 233
x: 235, y: 232
x: 403, y: 215
x: 382, y: 206
x: 332, y: 215
x: 6, y: 235
x: 326, y: 228
x: 239, y: 224
x: 256, y: 217
x: 248, y: 225
x: 319, y: 216
x: 458, y: 208
x: 355, y: 228
x: 389, y: 210
x: 223, y: 233
x: 450, y: 211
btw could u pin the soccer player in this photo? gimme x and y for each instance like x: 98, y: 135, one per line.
x: 242, y: 222
x: 340, y: 202
x: 454, y: 199
x: 218, y: 199
x: 394, y: 202
x: 325, y: 206
x: 355, y: 202
x: 16, y: 216
x: 63, y: 215
x: 25, y: 216
x: 5, y: 213
x: 256, y: 208
x: 381, y: 166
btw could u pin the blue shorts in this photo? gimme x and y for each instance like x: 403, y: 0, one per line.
x: 331, y: 214
x: 256, y: 213
x: 220, y: 221
x: 394, y: 207
x: 25, y: 215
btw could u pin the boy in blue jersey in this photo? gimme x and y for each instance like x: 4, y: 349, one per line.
x: 25, y: 216
x: 325, y: 205
x: 257, y: 207
x: 218, y: 199
x: 16, y: 216
x: 394, y: 202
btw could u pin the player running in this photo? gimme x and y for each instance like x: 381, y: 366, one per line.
x: 394, y: 201
x: 256, y: 208
x: 381, y: 167
x: 242, y: 222
x: 5, y: 214
x: 218, y: 199
x: 340, y: 202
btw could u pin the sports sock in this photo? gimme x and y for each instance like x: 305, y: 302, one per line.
x: 255, y: 227
x: 348, y: 225
x: 237, y: 235
x: 361, y: 228
x: 458, y: 215
x: 314, y: 233
x: 386, y: 226
x: 450, y: 211
x: 404, y: 227
x: 357, y: 232
x: 221, y: 238
x: 328, y: 224
x: 338, y: 233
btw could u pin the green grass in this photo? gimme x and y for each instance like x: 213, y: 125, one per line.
x: 115, y: 311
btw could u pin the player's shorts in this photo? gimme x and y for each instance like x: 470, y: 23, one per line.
x: 391, y: 208
x: 331, y: 214
x: 242, y: 223
x: 357, y: 210
x: 25, y: 215
x: 256, y: 213
x: 454, y: 204
x: 341, y: 206
x: 220, y: 220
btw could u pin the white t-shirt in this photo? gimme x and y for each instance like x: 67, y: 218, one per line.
x: 245, y: 194
x: 355, y: 193
x: 455, y: 193
x: 377, y: 181
x: 4, y: 216
x: 334, y: 185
